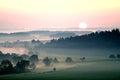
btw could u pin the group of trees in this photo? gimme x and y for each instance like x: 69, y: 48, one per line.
x: 16, y: 58
x: 102, y: 39
x: 47, y: 61
x: 82, y: 59
x: 13, y: 63
x: 112, y: 56
x: 68, y: 60
x: 6, y: 66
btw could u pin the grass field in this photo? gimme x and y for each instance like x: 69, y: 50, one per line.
x: 91, y: 69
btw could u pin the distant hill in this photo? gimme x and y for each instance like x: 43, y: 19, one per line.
x: 39, y: 35
x: 63, y: 34
x: 103, y: 39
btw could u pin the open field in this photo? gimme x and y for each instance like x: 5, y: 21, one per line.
x: 93, y: 69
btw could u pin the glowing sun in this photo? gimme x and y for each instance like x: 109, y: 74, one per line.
x: 83, y: 25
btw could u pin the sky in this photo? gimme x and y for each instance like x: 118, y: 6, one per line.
x: 27, y: 15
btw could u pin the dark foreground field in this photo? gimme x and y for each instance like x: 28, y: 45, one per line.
x: 97, y: 70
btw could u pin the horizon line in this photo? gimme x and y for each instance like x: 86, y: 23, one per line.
x: 59, y: 29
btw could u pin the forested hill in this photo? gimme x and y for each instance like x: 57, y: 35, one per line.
x: 103, y: 39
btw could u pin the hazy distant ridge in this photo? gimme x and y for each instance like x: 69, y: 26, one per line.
x: 103, y: 39
x: 40, y: 35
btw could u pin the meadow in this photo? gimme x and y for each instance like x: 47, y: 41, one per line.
x: 93, y: 68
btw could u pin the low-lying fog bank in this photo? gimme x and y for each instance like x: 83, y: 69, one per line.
x: 60, y: 51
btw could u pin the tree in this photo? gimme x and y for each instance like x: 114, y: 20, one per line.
x: 7, y: 56
x: 34, y: 58
x: 109, y: 38
x: 68, y: 60
x: 1, y: 55
x: 51, y: 59
x: 82, y: 59
x: 46, y: 61
x: 118, y: 55
x: 25, y: 57
x: 55, y: 60
x: 112, y: 56
x: 22, y: 66
x: 6, y: 63
x: 33, y: 41
x: 16, y: 59
x: 6, y: 67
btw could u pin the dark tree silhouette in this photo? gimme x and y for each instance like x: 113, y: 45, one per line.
x: 118, y: 55
x: 36, y: 41
x: 25, y: 57
x: 55, y: 60
x: 6, y: 67
x: 82, y: 59
x: 34, y: 59
x: 112, y: 56
x: 33, y: 41
x: 1, y: 55
x: 46, y: 61
x: 51, y: 59
x: 22, y: 66
x: 16, y: 59
x: 103, y: 39
x: 68, y: 60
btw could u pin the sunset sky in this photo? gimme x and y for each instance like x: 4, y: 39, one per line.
x: 25, y: 15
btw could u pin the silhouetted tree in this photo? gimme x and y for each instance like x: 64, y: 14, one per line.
x: 112, y: 56
x: 82, y: 59
x: 14, y: 54
x: 22, y: 66
x: 34, y: 58
x: 51, y: 59
x: 33, y: 41
x: 68, y: 60
x: 55, y: 60
x: 118, y: 55
x: 1, y: 55
x: 36, y: 41
x: 6, y: 67
x: 103, y: 39
x: 16, y: 59
x: 25, y: 57
x: 46, y: 61
x: 8, y: 56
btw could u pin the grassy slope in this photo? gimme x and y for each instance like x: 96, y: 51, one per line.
x: 106, y: 70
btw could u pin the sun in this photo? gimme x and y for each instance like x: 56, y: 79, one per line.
x: 83, y: 25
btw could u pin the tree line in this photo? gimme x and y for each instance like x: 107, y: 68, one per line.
x: 102, y: 39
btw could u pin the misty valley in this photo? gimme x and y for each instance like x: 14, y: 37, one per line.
x: 46, y: 55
